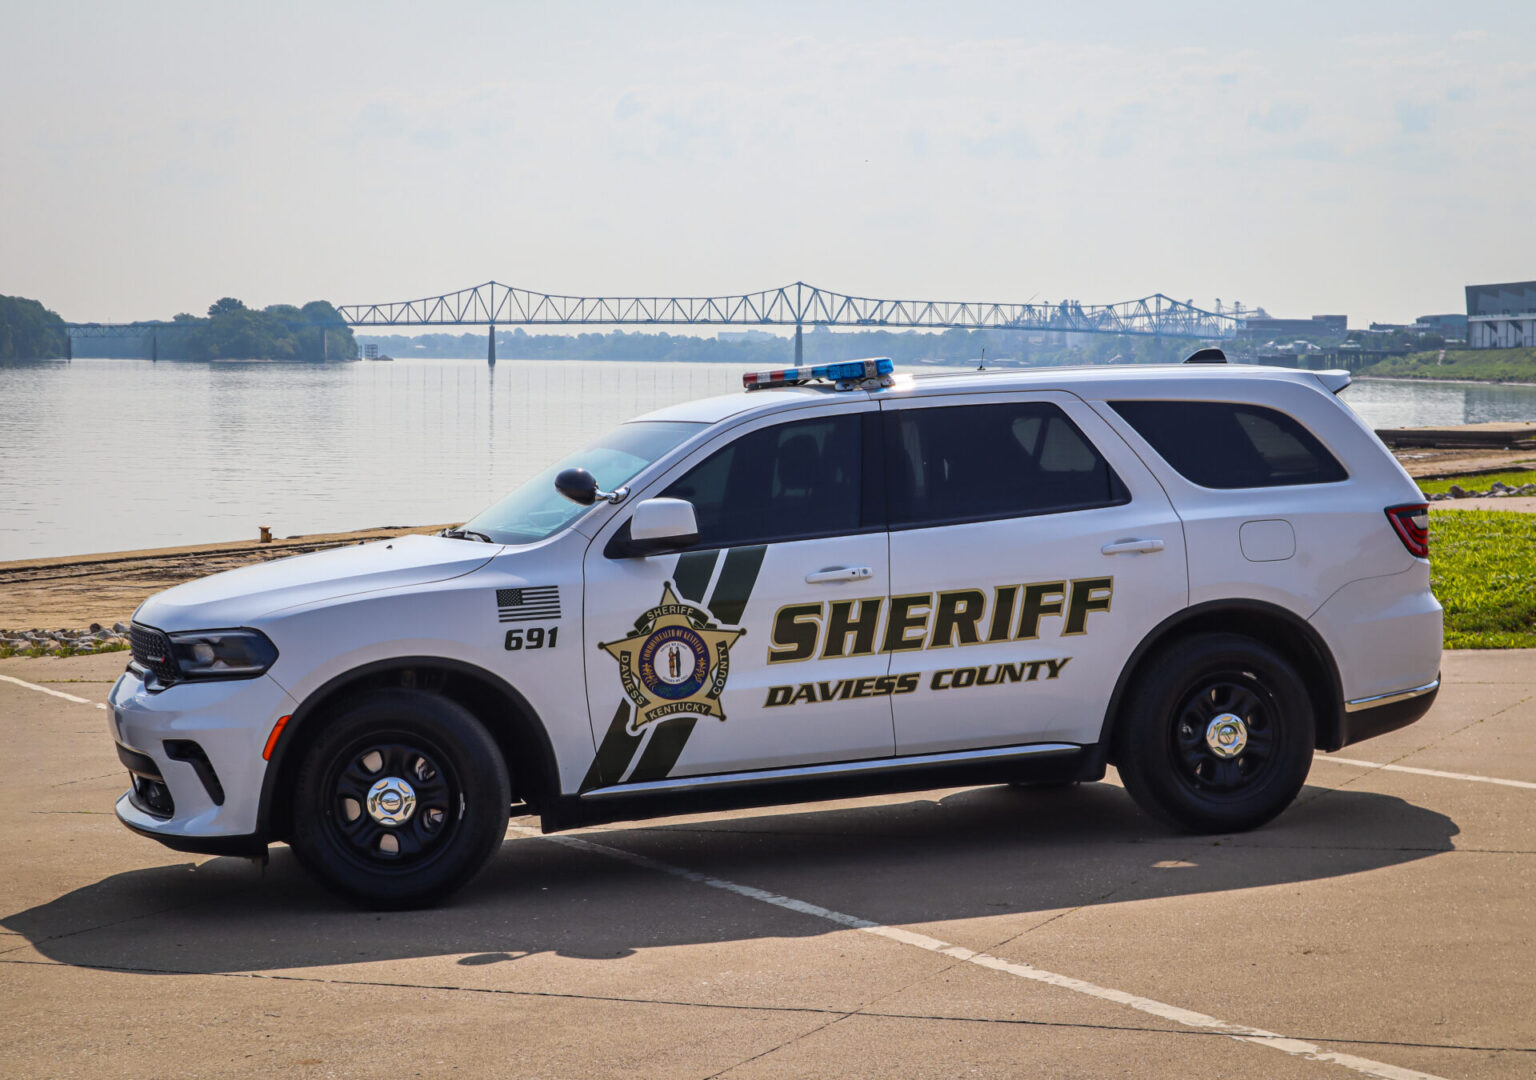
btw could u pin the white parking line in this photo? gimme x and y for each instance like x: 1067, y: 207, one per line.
x: 55, y: 693
x: 1187, y: 1017
x: 1427, y: 772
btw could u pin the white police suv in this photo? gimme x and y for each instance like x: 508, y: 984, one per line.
x: 843, y: 581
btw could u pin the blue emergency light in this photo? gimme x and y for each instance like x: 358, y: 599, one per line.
x: 848, y: 375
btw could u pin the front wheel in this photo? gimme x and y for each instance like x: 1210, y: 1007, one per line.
x: 401, y: 800
x: 1216, y: 735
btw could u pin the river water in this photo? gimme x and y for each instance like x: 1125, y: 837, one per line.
x: 112, y: 455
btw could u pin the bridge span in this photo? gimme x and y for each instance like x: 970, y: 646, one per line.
x: 494, y: 304
x: 797, y: 305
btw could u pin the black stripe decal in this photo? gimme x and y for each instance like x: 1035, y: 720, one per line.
x: 691, y: 577
x: 735, y: 585
x: 665, y: 747
x: 613, y: 755
x: 727, y: 604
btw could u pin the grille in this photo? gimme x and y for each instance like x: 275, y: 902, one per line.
x: 152, y: 651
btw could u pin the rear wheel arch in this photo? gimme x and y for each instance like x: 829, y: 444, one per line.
x: 1285, y: 631
x: 512, y: 722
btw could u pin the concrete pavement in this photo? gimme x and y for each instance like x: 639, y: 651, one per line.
x: 1383, y: 926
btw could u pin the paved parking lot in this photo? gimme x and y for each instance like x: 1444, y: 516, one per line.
x: 1384, y: 926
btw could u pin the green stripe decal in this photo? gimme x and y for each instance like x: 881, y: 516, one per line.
x: 727, y: 604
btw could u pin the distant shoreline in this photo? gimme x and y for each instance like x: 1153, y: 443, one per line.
x: 1452, y: 382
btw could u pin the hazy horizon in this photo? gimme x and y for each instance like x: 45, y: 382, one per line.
x: 1367, y: 159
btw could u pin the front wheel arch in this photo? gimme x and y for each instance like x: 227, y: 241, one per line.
x: 519, y: 732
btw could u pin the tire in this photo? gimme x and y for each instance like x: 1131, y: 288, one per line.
x: 441, y: 807
x: 1179, y: 753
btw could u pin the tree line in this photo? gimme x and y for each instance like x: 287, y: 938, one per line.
x: 29, y: 331
x: 232, y: 331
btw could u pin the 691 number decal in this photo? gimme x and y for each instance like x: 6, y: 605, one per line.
x: 534, y: 637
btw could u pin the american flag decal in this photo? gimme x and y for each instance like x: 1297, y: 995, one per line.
x: 528, y: 603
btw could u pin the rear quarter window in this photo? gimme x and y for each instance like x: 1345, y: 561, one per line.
x: 1221, y: 444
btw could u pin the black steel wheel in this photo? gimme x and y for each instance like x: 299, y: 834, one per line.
x: 392, y: 806
x: 1216, y: 734
x: 400, y: 800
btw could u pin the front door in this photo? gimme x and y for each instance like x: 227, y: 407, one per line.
x: 717, y: 659
x: 1031, y: 551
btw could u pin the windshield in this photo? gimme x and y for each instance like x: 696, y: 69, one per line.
x: 536, y: 510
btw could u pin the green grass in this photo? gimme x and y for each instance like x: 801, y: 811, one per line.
x: 1484, y: 365
x: 1483, y: 569
x: 1512, y: 478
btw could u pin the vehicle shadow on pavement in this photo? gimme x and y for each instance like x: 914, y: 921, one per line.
x: 980, y: 852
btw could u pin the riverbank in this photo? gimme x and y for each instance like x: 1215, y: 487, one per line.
x: 1509, y: 366
x: 71, y: 592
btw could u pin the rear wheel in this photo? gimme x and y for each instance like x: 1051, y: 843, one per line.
x: 401, y: 800
x: 1217, y: 734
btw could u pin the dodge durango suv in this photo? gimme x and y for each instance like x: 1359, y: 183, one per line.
x: 842, y: 580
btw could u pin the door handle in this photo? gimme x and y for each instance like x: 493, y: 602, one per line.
x: 1132, y: 547
x: 833, y: 574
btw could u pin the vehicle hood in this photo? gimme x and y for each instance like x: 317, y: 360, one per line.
x: 240, y: 597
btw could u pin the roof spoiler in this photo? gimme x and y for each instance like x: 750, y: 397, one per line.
x: 1335, y: 380
x: 1211, y: 355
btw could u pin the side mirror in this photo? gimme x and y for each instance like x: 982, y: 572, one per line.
x: 661, y: 525
x: 578, y: 485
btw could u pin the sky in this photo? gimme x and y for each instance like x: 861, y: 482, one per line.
x: 1354, y: 157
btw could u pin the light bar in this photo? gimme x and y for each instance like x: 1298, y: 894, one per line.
x: 848, y: 375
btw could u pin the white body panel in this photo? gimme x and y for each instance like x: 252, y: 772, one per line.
x: 752, y: 734
x: 1385, y: 632
x: 1064, y: 700
x: 1323, y: 552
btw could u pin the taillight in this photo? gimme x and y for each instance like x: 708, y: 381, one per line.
x: 1412, y: 524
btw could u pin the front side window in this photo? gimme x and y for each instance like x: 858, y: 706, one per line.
x: 791, y: 481
x: 1226, y: 444
x: 537, y: 511
x: 962, y: 463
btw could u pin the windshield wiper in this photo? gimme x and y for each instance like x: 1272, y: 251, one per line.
x: 466, y: 534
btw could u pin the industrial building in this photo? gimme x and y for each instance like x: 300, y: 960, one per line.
x: 1502, y: 316
x: 1451, y: 326
x: 1316, y: 329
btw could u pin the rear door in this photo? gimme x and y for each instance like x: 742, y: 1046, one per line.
x: 714, y: 660
x: 1031, y: 551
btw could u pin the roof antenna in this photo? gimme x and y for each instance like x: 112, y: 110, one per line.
x: 983, y: 365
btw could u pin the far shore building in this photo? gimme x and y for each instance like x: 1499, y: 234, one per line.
x: 1502, y: 316
x: 1317, y: 329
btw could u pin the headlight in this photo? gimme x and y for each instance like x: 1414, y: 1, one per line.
x: 222, y: 654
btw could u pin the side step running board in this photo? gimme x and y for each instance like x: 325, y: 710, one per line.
x: 718, y: 781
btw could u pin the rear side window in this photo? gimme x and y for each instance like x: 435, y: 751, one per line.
x: 961, y: 463
x: 1222, y: 444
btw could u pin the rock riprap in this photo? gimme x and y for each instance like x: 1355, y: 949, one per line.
x: 1496, y: 490
x: 64, y: 642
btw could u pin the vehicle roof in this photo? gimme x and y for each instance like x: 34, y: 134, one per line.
x: 1095, y: 380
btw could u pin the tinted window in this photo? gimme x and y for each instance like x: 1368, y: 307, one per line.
x: 1220, y: 444
x: 779, y: 483
x: 975, y: 462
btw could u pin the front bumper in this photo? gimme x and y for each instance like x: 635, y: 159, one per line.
x: 202, y: 742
